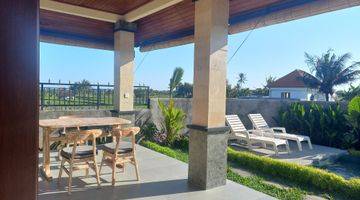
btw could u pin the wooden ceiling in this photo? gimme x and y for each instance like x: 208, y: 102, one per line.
x: 178, y: 20
x: 171, y: 23
x: 120, y: 7
x: 73, y: 30
x: 175, y: 21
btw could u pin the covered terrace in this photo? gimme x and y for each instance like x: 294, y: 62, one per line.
x: 121, y: 26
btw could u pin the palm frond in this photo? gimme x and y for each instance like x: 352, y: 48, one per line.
x: 311, y: 61
x: 310, y: 81
x: 342, y: 60
x: 330, y: 70
x: 176, y: 79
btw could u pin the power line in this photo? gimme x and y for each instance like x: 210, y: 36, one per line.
x: 245, y: 39
x: 242, y: 43
x: 142, y: 60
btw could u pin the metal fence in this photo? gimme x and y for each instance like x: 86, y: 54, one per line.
x: 71, y: 96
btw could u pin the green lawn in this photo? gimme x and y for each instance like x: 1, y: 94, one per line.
x: 82, y: 100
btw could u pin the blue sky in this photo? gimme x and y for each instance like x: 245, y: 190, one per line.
x: 275, y: 50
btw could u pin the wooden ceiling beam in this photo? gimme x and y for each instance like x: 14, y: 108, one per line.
x: 141, y: 12
x: 79, y: 11
x: 148, y: 9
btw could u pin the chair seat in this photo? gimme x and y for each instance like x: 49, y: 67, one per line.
x: 56, y: 134
x: 124, y: 147
x: 291, y: 137
x: 268, y: 140
x: 85, y: 151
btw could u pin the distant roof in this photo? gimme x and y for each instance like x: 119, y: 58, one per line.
x: 293, y: 79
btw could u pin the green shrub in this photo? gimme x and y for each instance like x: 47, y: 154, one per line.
x: 177, y: 154
x: 182, y: 143
x: 354, y: 119
x: 325, y: 125
x: 147, y: 131
x: 354, y: 105
x: 173, y: 121
x: 303, y: 175
x: 354, y: 152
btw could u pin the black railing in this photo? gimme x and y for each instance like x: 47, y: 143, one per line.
x: 70, y: 96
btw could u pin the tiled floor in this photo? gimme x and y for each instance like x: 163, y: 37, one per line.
x: 162, y: 177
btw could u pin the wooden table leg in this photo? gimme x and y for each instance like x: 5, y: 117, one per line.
x: 45, y: 170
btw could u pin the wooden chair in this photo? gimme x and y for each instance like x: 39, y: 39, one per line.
x: 116, y: 154
x: 80, y: 156
x: 59, y: 134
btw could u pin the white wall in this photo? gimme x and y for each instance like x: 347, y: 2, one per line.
x: 295, y: 93
x: 303, y: 94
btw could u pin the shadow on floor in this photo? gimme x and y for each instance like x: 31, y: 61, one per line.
x: 128, y: 191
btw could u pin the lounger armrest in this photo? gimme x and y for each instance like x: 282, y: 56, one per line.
x: 256, y: 132
x: 278, y: 129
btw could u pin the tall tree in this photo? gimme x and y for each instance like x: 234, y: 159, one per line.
x: 265, y: 90
x: 268, y: 80
x: 176, y: 79
x: 330, y: 70
x: 184, y: 90
x: 82, y: 86
x: 241, y: 79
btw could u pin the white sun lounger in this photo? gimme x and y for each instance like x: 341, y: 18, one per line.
x: 259, y: 123
x: 250, y: 137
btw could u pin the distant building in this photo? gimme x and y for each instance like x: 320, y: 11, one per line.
x: 292, y: 86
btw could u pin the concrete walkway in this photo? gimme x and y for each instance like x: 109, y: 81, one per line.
x: 162, y: 177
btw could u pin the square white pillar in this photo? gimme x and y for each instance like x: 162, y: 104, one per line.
x: 124, y: 56
x: 208, y: 134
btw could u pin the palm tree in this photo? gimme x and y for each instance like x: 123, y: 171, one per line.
x: 269, y: 80
x: 330, y: 71
x: 176, y: 79
x: 241, y: 79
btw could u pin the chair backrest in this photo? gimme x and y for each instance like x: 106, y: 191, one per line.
x: 258, y: 121
x: 120, y: 133
x: 76, y: 137
x: 236, y: 125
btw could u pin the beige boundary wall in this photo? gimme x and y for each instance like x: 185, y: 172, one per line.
x: 269, y: 108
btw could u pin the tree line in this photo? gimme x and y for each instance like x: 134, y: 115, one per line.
x: 328, y: 69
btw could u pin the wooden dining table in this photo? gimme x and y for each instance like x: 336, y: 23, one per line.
x: 50, y: 125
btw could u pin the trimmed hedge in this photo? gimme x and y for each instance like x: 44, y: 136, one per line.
x: 303, y: 175
x: 177, y: 154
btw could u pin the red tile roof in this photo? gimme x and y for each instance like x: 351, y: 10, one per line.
x: 293, y: 79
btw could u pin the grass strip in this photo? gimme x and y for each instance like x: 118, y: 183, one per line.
x: 258, y: 184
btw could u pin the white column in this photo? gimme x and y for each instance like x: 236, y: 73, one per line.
x: 208, y: 134
x: 211, y: 33
x: 123, y: 70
